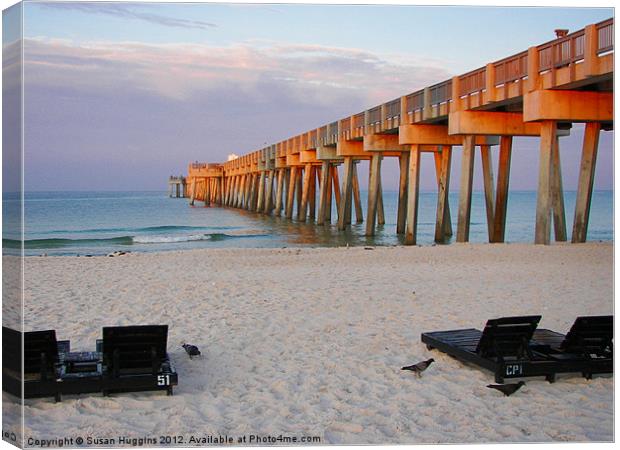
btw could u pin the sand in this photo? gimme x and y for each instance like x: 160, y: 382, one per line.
x: 310, y: 342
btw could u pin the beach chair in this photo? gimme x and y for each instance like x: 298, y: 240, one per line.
x: 503, y: 347
x: 586, y: 348
x: 12, y: 361
x: 40, y: 361
x: 49, y: 369
x: 135, y: 359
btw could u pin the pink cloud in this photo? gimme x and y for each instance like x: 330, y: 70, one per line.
x: 179, y: 71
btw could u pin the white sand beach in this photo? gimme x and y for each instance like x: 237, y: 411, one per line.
x: 306, y: 342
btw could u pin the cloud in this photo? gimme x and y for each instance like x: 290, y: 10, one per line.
x: 148, y: 109
x: 11, y: 65
x: 308, y: 73
x: 130, y: 11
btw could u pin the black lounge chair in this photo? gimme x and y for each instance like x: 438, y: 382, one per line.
x: 503, y: 347
x: 48, y: 367
x: 40, y: 363
x: 12, y: 361
x: 586, y: 348
x: 135, y: 359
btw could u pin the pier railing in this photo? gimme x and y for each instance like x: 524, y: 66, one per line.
x: 605, y: 31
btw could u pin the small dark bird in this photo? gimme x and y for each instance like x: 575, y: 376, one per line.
x: 191, y: 350
x: 507, y: 389
x: 420, y: 367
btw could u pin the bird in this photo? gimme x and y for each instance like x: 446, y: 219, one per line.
x: 507, y: 389
x: 191, y: 350
x: 420, y: 367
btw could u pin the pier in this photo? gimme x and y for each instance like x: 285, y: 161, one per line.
x: 539, y: 92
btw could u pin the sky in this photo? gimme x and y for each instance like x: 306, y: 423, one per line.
x: 118, y: 96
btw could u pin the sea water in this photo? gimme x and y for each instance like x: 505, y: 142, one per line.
x: 96, y: 223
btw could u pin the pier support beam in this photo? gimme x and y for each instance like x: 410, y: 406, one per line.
x: 279, y: 192
x: 269, y: 193
x: 438, y: 161
x: 442, y: 199
x: 236, y: 192
x: 308, y: 179
x: 467, y: 177
x: 489, y: 188
x: 191, y: 202
x: 557, y: 194
x: 257, y: 184
x: 299, y: 190
x: 241, y: 194
x: 228, y: 189
x: 359, y: 213
x: 242, y: 182
x: 503, y: 181
x: 380, y: 209
x: 328, y: 203
x: 586, y: 182
x: 291, y: 192
x: 401, y: 220
x: 207, y: 198
x: 344, y: 209
x: 233, y: 190
x: 251, y: 187
x: 261, y: 192
x: 336, y: 189
x: 373, y: 193
x: 413, y: 196
x: 324, y: 192
x: 312, y: 193
x: 222, y: 190
x: 543, y: 200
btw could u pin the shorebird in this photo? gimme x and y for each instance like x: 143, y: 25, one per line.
x: 191, y: 350
x: 507, y: 389
x: 420, y: 367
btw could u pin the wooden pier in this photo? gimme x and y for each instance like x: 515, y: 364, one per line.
x: 539, y: 92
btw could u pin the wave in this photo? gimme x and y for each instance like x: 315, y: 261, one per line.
x: 60, y: 242
x: 159, y: 228
x: 165, y: 239
x: 121, y: 240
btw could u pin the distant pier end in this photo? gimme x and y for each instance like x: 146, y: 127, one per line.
x: 177, y: 186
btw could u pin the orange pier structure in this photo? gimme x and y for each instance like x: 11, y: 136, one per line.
x: 540, y: 92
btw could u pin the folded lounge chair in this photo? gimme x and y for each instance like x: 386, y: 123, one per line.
x: 135, y: 359
x: 503, y: 347
x: 48, y: 367
x: 40, y: 363
x: 586, y: 348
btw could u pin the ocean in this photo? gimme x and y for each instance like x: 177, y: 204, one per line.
x: 98, y: 223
